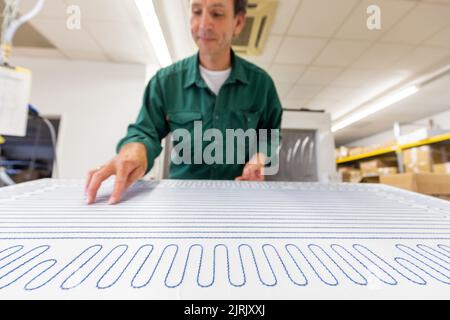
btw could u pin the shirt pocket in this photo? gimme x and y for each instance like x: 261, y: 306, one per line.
x: 248, y: 122
x: 183, y: 119
x: 245, y: 119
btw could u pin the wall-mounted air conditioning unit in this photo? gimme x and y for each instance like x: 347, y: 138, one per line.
x: 260, y: 15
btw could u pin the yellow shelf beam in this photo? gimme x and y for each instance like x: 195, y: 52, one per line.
x: 374, y: 153
x: 435, y: 139
x: 383, y: 151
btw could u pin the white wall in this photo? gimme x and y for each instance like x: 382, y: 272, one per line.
x: 441, y: 120
x: 96, y: 102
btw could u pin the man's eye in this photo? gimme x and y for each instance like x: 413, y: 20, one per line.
x: 196, y: 12
x: 217, y: 14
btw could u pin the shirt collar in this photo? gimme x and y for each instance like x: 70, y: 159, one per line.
x: 238, y: 72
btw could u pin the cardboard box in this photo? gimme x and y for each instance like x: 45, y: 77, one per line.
x: 349, y: 174
x: 370, y: 168
x: 342, y: 152
x: 371, y: 148
x: 441, y: 154
x: 426, y: 183
x: 419, y: 167
x: 422, y: 159
x: 389, y: 143
x: 441, y: 167
x: 385, y: 171
x: 355, y: 151
x: 432, y: 154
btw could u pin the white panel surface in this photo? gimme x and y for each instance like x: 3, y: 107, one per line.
x: 223, y: 240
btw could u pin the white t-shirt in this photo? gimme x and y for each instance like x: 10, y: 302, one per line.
x: 214, y: 79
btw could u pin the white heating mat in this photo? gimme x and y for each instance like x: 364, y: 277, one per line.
x: 223, y: 240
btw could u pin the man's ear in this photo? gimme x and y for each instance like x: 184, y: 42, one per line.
x: 240, y: 23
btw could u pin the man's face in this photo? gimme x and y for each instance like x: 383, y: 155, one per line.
x: 213, y: 25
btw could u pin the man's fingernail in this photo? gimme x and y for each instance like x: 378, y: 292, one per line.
x: 112, y: 201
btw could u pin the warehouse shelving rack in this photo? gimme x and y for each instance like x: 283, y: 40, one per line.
x: 394, y: 150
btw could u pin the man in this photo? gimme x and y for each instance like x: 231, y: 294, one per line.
x: 215, y: 88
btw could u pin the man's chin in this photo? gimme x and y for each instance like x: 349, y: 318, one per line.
x: 207, y: 51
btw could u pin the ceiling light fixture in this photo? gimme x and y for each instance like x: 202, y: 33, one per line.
x: 377, y: 106
x: 392, y: 99
x: 154, y: 31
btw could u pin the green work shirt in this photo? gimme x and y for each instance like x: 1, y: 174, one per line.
x: 177, y: 96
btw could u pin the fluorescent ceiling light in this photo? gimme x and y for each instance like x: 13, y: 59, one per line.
x: 378, y: 106
x: 154, y: 30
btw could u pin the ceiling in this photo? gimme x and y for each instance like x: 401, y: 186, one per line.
x: 27, y: 35
x: 431, y: 99
x: 319, y: 58
x: 111, y: 30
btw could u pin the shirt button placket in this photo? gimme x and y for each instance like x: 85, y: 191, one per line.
x: 216, y: 125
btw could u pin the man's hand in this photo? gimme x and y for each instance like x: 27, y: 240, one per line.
x: 128, y: 166
x: 254, y: 169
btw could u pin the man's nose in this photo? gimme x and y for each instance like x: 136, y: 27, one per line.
x: 205, y: 21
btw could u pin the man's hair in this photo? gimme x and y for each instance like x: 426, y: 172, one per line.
x: 240, y: 7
